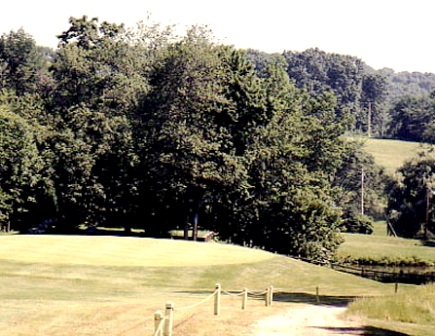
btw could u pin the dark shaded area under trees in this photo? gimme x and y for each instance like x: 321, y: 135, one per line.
x: 135, y: 128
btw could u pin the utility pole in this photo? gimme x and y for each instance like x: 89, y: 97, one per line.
x: 369, y: 119
x: 362, y: 191
x: 428, y: 197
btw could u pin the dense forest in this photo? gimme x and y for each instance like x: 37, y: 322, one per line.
x: 140, y: 128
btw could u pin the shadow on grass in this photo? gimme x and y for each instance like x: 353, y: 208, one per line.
x: 428, y: 243
x: 366, y: 330
x: 324, y: 300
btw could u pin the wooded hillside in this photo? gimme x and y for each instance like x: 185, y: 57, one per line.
x: 139, y: 128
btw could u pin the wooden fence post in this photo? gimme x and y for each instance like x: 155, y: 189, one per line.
x: 245, y: 298
x: 317, y: 295
x: 266, y: 297
x: 270, y: 295
x: 169, y: 319
x: 158, y: 317
x: 217, y: 300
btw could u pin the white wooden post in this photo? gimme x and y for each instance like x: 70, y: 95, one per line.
x: 266, y: 297
x: 217, y: 300
x: 169, y: 319
x: 158, y: 317
x: 245, y: 298
x: 270, y: 295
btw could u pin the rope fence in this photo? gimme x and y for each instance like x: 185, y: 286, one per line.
x: 163, y: 324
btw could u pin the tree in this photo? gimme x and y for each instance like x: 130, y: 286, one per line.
x: 97, y: 66
x: 20, y: 168
x: 373, y: 99
x: 289, y: 204
x: 189, y: 123
x: 361, y: 189
x: 23, y: 67
x: 410, y: 116
x: 410, y: 206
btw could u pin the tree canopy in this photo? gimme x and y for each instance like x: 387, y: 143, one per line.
x: 142, y: 128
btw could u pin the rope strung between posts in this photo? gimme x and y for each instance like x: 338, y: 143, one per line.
x: 163, y: 325
x: 257, y: 293
x: 198, y: 303
x: 233, y: 294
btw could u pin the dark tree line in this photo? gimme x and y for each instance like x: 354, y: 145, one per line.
x: 137, y: 128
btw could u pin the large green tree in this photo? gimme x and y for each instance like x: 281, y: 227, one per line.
x: 20, y: 167
x: 191, y: 139
x: 23, y: 65
x: 411, y: 206
x: 100, y: 78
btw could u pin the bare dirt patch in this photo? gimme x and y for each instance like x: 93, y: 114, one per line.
x: 308, y: 320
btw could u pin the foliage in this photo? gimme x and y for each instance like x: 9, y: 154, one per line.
x: 410, y: 206
x: 20, y: 166
x: 412, y: 119
x: 138, y: 128
x: 23, y: 66
x: 362, y: 186
x: 357, y: 224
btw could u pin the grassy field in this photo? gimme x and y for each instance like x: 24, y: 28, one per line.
x: 412, y: 311
x: 384, y: 250
x: 78, y: 285
x: 391, y: 154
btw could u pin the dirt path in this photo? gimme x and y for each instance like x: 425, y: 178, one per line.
x: 308, y: 320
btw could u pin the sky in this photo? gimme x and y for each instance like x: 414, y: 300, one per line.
x: 383, y: 33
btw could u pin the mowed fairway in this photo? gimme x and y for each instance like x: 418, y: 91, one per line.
x: 78, y: 285
x: 123, y: 251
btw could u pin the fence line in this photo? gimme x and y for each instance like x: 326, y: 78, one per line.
x: 163, y: 325
x: 159, y: 322
x: 198, y: 303
x: 384, y: 276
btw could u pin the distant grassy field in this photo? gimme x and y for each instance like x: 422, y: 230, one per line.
x: 77, y: 285
x: 383, y: 249
x: 391, y: 154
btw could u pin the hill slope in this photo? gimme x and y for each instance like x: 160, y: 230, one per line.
x: 391, y: 154
x: 113, y: 285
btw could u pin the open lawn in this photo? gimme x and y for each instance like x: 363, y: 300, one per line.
x: 385, y: 249
x: 391, y: 154
x: 78, y: 285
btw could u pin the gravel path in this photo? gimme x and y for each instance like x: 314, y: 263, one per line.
x: 307, y: 320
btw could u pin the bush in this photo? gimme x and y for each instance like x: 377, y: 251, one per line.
x: 357, y: 224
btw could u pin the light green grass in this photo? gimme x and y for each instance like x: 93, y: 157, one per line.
x: 122, y: 251
x: 76, y: 285
x: 391, y: 154
x: 411, y: 310
x: 385, y: 249
x: 69, y: 285
x: 379, y: 228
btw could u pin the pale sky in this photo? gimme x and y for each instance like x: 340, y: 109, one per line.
x: 397, y: 34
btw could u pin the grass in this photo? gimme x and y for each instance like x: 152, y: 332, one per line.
x: 57, y: 285
x: 78, y: 285
x: 385, y: 250
x: 122, y: 251
x: 407, y: 311
x: 391, y: 154
x: 412, y: 310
